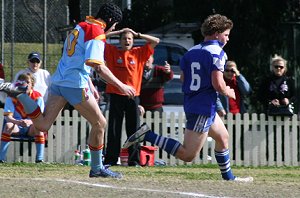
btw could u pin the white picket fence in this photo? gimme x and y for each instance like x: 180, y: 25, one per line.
x: 255, y: 140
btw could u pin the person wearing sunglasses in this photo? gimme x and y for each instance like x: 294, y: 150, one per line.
x: 235, y: 80
x: 278, y: 89
x: 42, y: 76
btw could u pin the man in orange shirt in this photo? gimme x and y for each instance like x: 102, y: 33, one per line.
x: 127, y: 64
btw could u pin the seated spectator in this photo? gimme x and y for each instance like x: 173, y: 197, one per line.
x: 42, y: 76
x: 152, y: 91
x: 278, y: 89
x: 16, y: 121
x: 235, y: 80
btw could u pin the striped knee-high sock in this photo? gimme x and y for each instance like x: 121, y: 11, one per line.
x: 40, y: 146
x: 30, y: 106
x: 96, y: 158
x: 168, y: 144
x: 223, y: 159
x: 5, y: 141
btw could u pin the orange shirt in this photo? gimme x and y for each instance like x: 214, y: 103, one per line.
x: 127, y: 66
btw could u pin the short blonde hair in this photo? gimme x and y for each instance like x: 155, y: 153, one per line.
x: 276, y: 58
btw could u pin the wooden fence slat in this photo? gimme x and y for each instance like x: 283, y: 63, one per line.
x: 278, y: 141
x: 271, y: 141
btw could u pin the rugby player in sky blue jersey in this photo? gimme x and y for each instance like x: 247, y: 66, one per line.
x: 202, y: 75
x: 83, y: 49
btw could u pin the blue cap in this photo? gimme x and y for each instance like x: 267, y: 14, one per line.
x: 33, y: 55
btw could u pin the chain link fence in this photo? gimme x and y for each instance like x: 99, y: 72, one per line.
x: 36, y: 25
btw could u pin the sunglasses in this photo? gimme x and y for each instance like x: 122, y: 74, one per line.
x: 35, y: 60
x: 278, y: 67
x: 229, y: 70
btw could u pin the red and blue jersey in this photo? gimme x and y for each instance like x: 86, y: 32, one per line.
x: 197, y: 65
x: 83, y: 47
x: 15, y: 108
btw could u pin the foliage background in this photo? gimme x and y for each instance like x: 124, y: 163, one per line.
x: 261, y: 29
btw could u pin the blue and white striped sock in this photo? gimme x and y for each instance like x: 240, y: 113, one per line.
x: 223, y: 159
x: 169, y: 145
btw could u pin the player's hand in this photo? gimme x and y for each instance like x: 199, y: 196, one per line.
x: 230, y: 92
x: 167, y: 67
x: 128, y: 90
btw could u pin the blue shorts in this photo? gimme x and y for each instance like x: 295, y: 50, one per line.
x: 23, y: 131
x: 73, y: 95
x: 199, y: 123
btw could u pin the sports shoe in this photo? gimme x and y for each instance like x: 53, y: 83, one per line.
x: 106, y: 173
x: 243, y: 179
x: 138, y: 136
x: 11, y: 90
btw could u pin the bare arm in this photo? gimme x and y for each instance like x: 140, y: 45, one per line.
x: 220, y: 85
x: 109, y: 77
x: 151, y: 39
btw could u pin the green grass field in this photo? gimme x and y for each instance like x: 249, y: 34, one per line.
x: 16, y: 56
x: 59, y: 180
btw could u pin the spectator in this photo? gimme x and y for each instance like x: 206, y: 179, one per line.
x: 235, y: 80
x: 83, y: 50
x: 16, y: 121
x: 278, y: 89
x: 126, y: 64
x: 202, y: 74
x: 152, y: 92
x: 42, y: 76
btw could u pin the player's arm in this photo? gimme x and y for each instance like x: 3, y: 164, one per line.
x: 110, y: 78
x: 220, y: 85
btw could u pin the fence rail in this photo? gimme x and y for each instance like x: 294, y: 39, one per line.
x: 255, y: 140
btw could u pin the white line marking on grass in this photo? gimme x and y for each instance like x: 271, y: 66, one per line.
x: 139, y: 189
x: 122, y: 188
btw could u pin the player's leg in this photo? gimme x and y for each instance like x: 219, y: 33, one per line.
x: 8, y: 128
x: 43, y: 121
x: 90, y: 110
x: 219, y: 133
x: 194, y: 138
x: 39, y: 140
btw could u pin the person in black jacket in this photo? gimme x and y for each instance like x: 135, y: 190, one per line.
x: 278, y: 89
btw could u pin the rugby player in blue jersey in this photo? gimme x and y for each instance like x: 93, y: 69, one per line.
x: 83, y: 50
x: 202, y: 75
